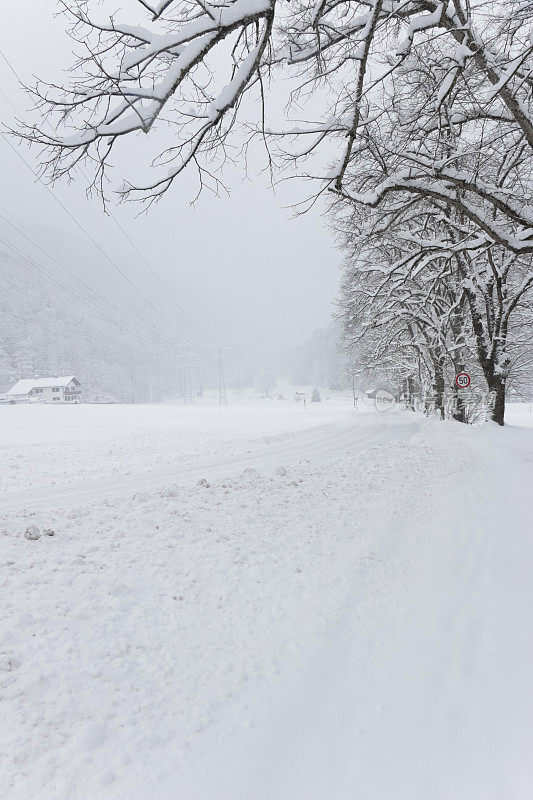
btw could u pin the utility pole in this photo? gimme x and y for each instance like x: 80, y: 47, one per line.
x: 221, y: 380
x: 186, y: 375
x: 222, y: 397
x: 186, y: 379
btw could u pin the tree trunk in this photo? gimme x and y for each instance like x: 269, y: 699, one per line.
x: 439, y: 389
x: 497, y: 387
x: 410, y: 384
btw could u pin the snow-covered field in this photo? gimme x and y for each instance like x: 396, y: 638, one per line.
x: 263, y: 603
x: 47, y: 445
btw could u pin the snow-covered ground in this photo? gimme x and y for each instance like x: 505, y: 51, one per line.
x: 263, y: 603
x: 47, y: 445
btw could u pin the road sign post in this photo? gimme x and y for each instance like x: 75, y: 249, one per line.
x: 462, y: 382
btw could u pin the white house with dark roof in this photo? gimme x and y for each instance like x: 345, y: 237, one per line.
x: 65, y: 389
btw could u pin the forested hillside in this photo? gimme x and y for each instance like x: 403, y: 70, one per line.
x: 320, y: 360
x: 48, y: 327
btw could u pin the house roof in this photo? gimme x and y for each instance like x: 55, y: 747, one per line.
x: 27, y: 384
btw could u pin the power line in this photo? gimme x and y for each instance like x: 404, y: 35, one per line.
x: 159, y: 314
x: 43, y: 271
x: 6, y: 98
x: 88, y: 235
x: 34, y: 240
x: 158, y: 279
x: 82, y: 300
x: 52, y: 278
x: 38, y: 178
x: 171, y: 295
x: 11, y: 67
x: 95, y: 243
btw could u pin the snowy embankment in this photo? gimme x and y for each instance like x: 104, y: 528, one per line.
x: 346, y: 615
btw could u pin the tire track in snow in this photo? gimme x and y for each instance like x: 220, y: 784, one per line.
x: 323, y: 443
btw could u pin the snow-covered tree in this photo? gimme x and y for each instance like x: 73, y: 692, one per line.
x: 422, y: 298
x: 426, y: 106
x: 186, y: 67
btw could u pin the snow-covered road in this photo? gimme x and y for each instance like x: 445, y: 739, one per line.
x: 422, y: 687
x: 344, y: 435
x: 355, y: 624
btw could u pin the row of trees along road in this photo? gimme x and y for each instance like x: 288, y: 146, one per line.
x: 421, y: 139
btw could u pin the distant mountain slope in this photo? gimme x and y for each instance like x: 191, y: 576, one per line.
x: 47, y: 328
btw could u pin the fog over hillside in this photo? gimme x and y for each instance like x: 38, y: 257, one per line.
x: 50, y: 329
x: 55, y: 320
x: 249, y: 276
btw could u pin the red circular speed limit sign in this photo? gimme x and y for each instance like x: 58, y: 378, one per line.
x: 462, y: 381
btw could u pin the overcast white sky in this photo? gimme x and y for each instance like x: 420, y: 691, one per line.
x: 241, y: 266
